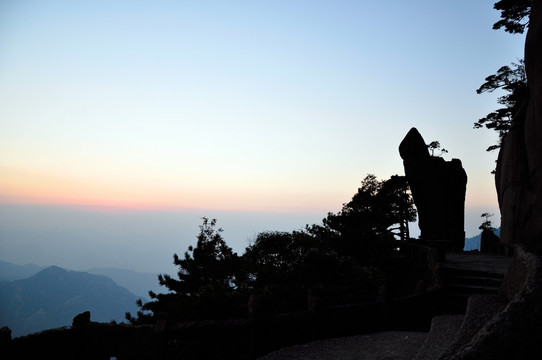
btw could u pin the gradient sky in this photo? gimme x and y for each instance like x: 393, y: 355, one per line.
x: 245, y: 106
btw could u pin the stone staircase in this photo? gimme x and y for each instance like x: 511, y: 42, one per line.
x: 471, y: 296
x: 459, y: 284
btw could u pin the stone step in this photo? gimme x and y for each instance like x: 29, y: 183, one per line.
x: 496, y: 265
x: 441, y: 335
x: 471, y: 289
x: 475, y: 280
x: 472, y: 273
x: 459, y: 284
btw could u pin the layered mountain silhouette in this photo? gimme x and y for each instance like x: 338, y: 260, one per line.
x: 138, y: 283
x: 53, y: 296
x: 9, y: 271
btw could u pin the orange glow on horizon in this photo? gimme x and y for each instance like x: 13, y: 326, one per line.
x: 26, y: 187
x: 32, y: 187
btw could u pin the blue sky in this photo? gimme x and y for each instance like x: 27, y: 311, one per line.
x: 268, y: 107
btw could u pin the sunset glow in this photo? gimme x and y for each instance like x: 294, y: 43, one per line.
x: 268, y: 107
x: 40, y: 188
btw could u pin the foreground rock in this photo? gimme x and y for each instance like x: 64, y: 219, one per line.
x: 393, y: 345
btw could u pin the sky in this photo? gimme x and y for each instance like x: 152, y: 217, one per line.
x: 122, y: 123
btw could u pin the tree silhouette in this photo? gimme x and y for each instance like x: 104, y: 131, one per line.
x: 434, y: 146
x: 207, y: 283
x: 513, y: 14
x: 280, y: 270
x: 365, y: 225
x: 340, y: 261
x: 513, y: 80
x: 287, y: 270
x: 401, y: 205
x: 486, y: 225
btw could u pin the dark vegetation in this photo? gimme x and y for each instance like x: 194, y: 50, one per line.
x: 511, y: 79
x: 514, y: 15
x: 346, y: 259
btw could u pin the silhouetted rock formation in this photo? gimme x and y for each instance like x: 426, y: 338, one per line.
x: 81, y: 319
x: 489, y: 242
x: 519, y: 167
x: 438, y: 188
x: 5, y: 336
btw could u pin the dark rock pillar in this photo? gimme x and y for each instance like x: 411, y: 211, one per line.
x: 519, y: 168
x: 438, y: 188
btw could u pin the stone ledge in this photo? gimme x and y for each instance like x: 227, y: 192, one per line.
x: 515, y: 332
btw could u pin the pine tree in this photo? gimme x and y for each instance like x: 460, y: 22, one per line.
x: 206, y: 287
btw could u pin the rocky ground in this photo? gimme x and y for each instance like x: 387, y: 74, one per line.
x: 390, y: 345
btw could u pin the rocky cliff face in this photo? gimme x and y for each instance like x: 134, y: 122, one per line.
x: 519, y: 167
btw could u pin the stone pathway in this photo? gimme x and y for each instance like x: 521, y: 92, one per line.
x: 389, y: 345
x: 440, y: 337
x: 478, y: 261
x: 469, y: 273
x: 393, y: 345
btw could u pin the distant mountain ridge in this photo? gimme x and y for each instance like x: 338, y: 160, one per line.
x: 9, y: 271
x: 138, y: 283
x: 53, y: 296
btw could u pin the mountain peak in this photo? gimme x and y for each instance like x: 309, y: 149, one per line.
x: 52, y: 270
x: 52, y: 297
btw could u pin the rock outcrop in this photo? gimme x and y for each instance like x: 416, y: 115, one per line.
x: 519, y: 166
x: 438, y: 188
x: 81, y: 319
x: 489, y: 242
